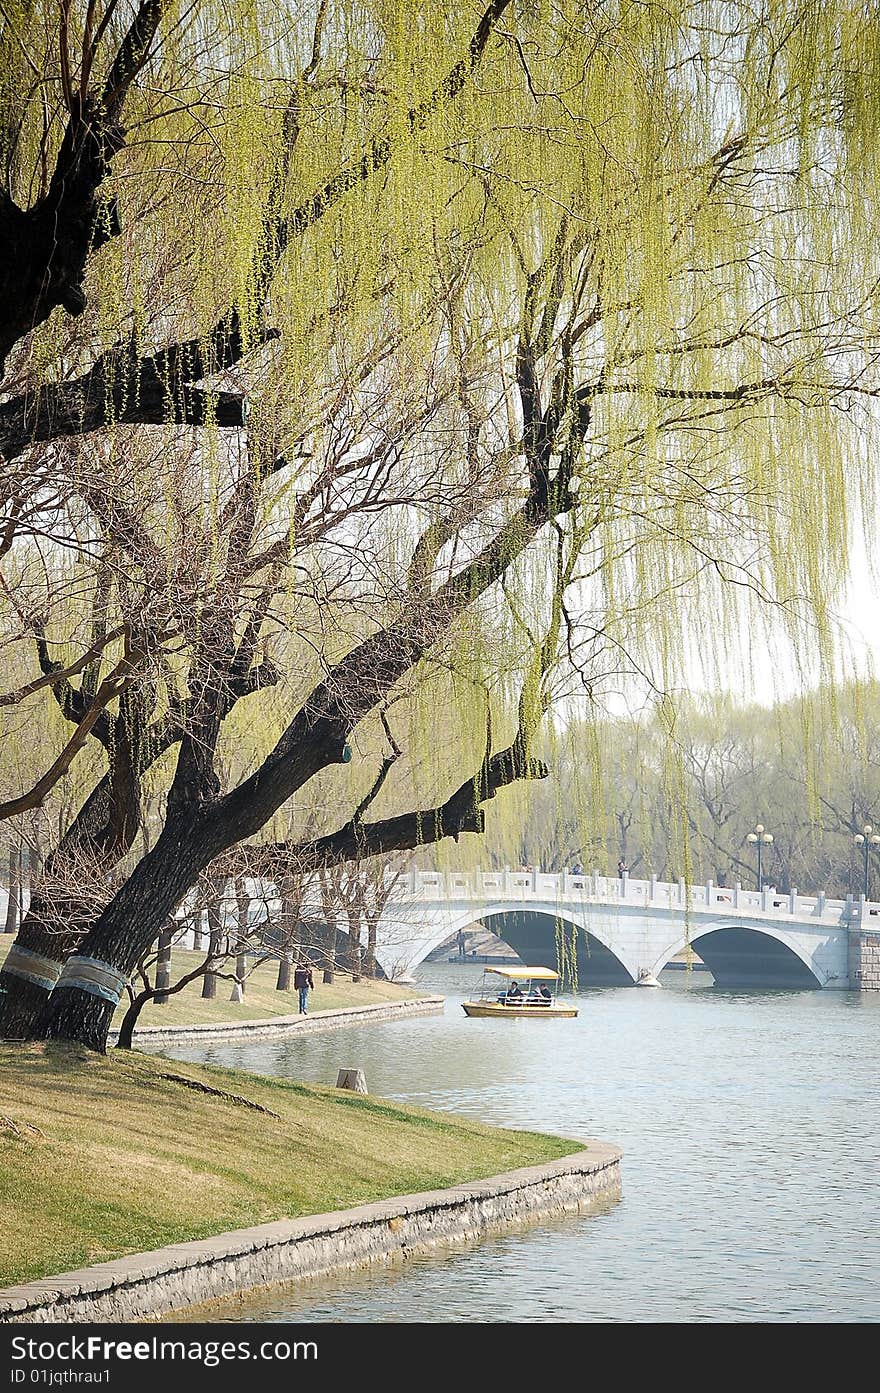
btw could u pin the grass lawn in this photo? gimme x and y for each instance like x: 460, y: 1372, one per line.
x: 105, y: 1155
x: 261, y: 1000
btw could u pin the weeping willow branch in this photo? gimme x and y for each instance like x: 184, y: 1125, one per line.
x: 158, y: 390
x: 112, y: 686
x: 45, y: 249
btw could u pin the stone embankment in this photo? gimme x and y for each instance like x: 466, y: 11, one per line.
x: 282, y: 1026
x: 169, y: 1279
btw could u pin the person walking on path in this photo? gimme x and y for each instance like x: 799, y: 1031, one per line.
x: 304, y: 983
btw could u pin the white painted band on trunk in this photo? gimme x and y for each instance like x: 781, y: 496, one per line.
x: 33, y: 967
x: 94, y: 976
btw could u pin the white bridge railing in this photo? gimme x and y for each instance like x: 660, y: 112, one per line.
x: 523, y: 886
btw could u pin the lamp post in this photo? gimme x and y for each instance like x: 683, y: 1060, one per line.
x: 760, y: 838
x: 867, y: 838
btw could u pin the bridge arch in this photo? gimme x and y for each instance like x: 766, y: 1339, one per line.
x: 748, y: 955
x: 532, y: 933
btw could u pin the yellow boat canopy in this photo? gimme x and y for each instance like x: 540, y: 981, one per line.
x: 526, y: 974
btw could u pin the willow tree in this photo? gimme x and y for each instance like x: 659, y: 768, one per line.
x: 347, y: 333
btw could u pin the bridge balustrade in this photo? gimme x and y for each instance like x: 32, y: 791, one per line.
x: 628, y: 890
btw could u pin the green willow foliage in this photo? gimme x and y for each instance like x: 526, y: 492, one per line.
x: 741, y: 764
x: 667, y: 208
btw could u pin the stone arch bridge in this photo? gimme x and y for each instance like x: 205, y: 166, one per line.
x: 613, y: 930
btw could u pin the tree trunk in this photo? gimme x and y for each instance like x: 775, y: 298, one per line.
x: 283, y: 982
x: 130, y: 1020
x: 242, y: 906
x: 215, y: 937
x: 163, y: 967
x: 370, y: 958
x: 291, y: 905
x: 128, y: 926
x: 354, y: 934
x: 13, y: 897
x: 198, y: 933
x: 97, y: 833
x: 330, y: 965
x: 329, y: 912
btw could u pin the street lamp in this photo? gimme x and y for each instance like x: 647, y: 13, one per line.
x: 867, y: 838
x: 761, y: 839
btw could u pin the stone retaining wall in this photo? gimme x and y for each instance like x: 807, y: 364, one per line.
x: 864, y: 960
x: 286, y: 1025
x: 184, y: 1274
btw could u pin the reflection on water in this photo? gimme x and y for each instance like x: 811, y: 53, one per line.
x: 749, y: 1126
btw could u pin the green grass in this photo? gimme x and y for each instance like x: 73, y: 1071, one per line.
x: 102, y: 1156
x: 261, y: 1000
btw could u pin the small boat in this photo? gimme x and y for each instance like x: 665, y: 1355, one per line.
x: 528, y: 994
x: 646, y: 979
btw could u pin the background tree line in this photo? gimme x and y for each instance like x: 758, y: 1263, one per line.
x: 683, y: 803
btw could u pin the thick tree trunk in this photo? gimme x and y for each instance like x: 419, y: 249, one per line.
x: 128, y: 926
x: 34, y: 963
x: 74, y: 1014
x: 283, y: 982
x: 97, y: 833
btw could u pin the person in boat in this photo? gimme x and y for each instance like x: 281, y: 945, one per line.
x: 545, y: 996
x: 513, y: 996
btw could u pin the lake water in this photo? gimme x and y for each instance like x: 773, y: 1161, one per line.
x: 749, y: 1125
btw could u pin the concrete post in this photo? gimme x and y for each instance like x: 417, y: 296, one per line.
x: 710, y: 886
x: 791, y: 899
x: 595, y: 890
x: 736, y: 889
x: 682, y: 892
x: 652, y: 889
x: 624, y: 884
x: 353, y: 1079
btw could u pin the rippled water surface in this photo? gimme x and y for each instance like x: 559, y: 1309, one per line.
x: 749, y: 1123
